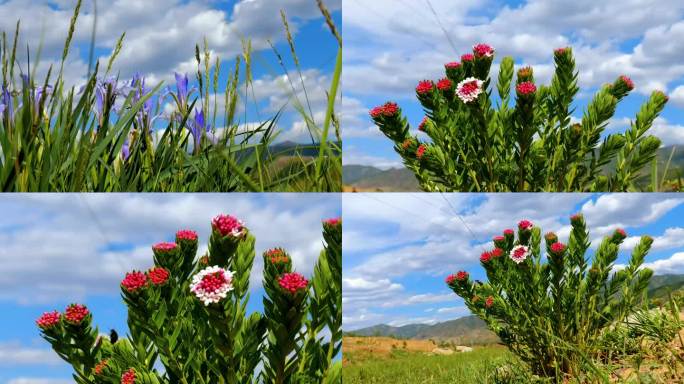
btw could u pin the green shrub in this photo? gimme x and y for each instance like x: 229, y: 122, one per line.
x: 530, y: 146
x: 551, y: 311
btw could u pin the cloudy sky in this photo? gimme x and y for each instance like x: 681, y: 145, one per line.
x: 161, y: 37
x: 392, y: 44
x: 399, y: 248
x: 58, y: 249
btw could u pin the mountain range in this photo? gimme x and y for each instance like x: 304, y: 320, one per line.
x: 470, y: 330
x: 363, y: 178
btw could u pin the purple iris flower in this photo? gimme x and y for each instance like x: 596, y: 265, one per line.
x: 197, y: 126
x: 126, y: 150
x: 6, y: 101
x: 182, y: 88
x: 101, y: 94
x: 38, y: 94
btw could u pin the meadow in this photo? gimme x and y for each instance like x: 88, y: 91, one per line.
x: 408, y: 364
x: 116, y: 135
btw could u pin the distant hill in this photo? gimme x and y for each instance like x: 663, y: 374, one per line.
x: 470, y: 330
x: 366, y: 178
x: 464, y: 331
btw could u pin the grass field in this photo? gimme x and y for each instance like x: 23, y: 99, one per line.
x: 386, y: 360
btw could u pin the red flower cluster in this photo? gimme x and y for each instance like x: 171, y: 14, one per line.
x: 227, y: 225
x: 333, y: 221
x: 421, y: 126
x: 134, y: 281
x: 293, y: 282
x: 526, y: 88
x: 508, y: 232
x: 560, y: 51
x: 212, y: 282
x: 524, y: 225
x: 558, y: 247
x: 461, y: 275
x: 628, y: 82
x: 483, y: 50
x: 48, y: 320
x: 164, y: 247
x: 128, y: 377
x: 424, y: 87
x: 499, y: 238
x: 420, y: 151
x: 497, y: 252
x: 186, y: 234
x: 489, y: 302
x: 388, y: 109
x: 467, y: 57
x: 452, y: 65
x: 75, y: 313
x: 444, y: 84
x: 485, y: 257
x: 158, y: 275
x: 99, y: 367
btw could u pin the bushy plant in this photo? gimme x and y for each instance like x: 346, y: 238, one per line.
x: 189, y: 315
x: 551, y: 311
x: 115, y: 136
x: 530, y: 146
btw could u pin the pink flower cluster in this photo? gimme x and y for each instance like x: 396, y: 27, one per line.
x: 483, y: 50
x: 519, y: 253
x: 388, y: 109
x: 134, y: 281
x: 469, y: 89
x: 48, y: 320
x: 444, y: 84
x: 424, y: 87
x: 212, y: 284
x: 293, y: 282
x: 525, y: 225
x: 526, y: 88
x: 558, y: 248
x: 75, y: 313
x: 420, y: 151
x: 128, y: 377
x: 186, y: 234
x: 467, y: 57
x: 508, y: 232
x: 452, y: 65
x: 333, y: 221
x: 158, y: 275
x: 423, y: 123
x: 228, y: 225
x: 627, y: 81
x: 164, y: 247
x: 458, y: 276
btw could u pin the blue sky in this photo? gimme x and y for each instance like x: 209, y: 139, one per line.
x: 63, y: 248
x: 390, y: 45
x: 161, y: 37
x: 398, y: 248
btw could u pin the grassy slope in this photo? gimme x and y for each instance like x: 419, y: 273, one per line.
x: 466, y: 330
x: 417, y: 367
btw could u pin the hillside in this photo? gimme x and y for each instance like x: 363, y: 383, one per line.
x: 363, y: 178
x: 464, y: 331
x: 470, y: 330
x: 366, y: 178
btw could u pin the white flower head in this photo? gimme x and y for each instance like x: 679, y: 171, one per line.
x: 212, y: 284
x: 469, y: 89
x: 519, y: 253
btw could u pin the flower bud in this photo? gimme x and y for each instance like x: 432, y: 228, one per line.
x: 75, y: 314
x: 49, y: 320
x: 293, y: 283
x: 134, y: 281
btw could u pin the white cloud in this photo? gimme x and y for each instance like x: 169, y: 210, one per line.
x: 13, y: 354
x: 673, y: 264
x: 70, y: 246
x: 677, y: 96
x: 33, y: 380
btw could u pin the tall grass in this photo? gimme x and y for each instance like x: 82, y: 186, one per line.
x: 107, y: 136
